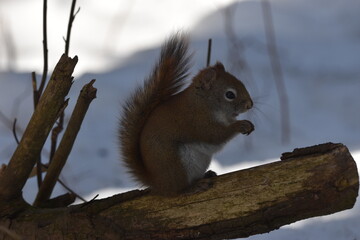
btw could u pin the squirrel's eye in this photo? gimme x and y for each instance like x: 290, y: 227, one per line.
x: 230, y: 95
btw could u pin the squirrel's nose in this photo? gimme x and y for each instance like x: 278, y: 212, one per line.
x: 249, y: 104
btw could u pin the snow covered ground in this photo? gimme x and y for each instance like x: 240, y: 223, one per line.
x: 319, y: 46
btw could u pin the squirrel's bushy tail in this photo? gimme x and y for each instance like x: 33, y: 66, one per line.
x: 166, y: 79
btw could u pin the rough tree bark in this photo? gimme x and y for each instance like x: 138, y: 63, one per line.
x: 14, y: 177
x: 308, y: 182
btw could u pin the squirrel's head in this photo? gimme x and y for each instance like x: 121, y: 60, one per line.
x: 226, y: 95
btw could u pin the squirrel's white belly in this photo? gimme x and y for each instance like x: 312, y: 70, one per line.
x: 196, y: 158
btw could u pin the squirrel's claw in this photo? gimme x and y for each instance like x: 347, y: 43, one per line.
x: 247, y: 127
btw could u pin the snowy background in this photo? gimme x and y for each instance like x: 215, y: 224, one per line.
x: 117, y: 43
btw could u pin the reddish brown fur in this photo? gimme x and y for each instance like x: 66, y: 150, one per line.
x: 159, y: 123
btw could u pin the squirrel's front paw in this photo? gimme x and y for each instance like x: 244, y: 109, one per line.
x: 246, y: 127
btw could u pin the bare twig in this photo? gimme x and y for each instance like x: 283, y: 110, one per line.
x: 70, y: 190
x: 38, y: 92
x: 54, y: 135
x: 38, y: 172
x: 87, y: 94
x: 45, y: 49
x: 71, y: 20
x: 89, y: 202
x: 208, y: 53
x: 14, y: 131
x: 44, y: 168
x: 277, y: 71
x: 9, y: 123
x: 56, y: 131
x: 35, y: 90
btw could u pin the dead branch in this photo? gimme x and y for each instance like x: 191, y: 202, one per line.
x: 38, y: 92
x: 208, y: 52
x: 72, y: 192
x: 45, y: 50
x: 52, y: 101
x: 87, y: 94
x: 59, y: 127
x: 36, y: 98
x: 71, y: 20
x: 14, y: 131
x: 309, y: 182
x: 35, y: 91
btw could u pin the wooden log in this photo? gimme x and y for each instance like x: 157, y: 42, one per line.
x: 308, y: 182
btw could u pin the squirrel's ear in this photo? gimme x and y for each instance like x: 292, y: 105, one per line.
x: 219, y: 67
x: 207, y: 78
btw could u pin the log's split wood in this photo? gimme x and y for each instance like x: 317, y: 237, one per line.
x: 308, y: 182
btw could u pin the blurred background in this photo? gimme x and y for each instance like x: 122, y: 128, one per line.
x: 300, y: 61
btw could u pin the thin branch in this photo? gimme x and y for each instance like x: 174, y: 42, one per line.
x: 87, y: 94
x: 56, y: 131
x: 45, y: 49
x: 14, y: 131
x: 208, y: 53
x: 10, y: 124
x: 89, y: 202
x: 71, y: 20
x: 38, y: 92
x: 23, y: 160
x: 38, y: 172
x: 35, y: 90
x: 54, y: 135
x: 70, y: 190
x: 277, y: 71
x: 44, y: 168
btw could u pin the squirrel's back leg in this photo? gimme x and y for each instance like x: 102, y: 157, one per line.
x: 165, y: 170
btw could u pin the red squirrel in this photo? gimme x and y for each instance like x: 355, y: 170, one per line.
x: 169, y: 132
